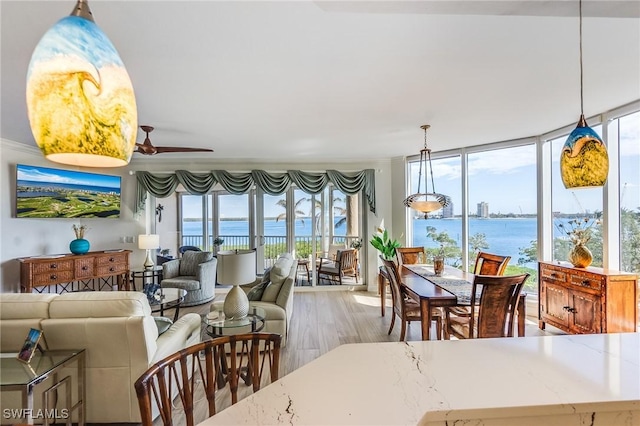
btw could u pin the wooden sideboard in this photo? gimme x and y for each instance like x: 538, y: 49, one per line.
x: 587, y: 300
x: 44, y: 271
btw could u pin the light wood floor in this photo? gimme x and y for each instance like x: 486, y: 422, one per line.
x: 324, y: 320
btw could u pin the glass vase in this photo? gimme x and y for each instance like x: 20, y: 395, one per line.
x: 580, y: 256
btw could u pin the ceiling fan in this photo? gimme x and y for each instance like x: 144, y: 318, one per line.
x: 147, y: 148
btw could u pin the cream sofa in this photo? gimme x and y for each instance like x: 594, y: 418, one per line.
x: 116, y: 329
x: 277, y: 297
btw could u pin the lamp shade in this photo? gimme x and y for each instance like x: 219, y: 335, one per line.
x: 236, y: 267
x: 80, y: 101
x: 148, y: 241
x: 584, y: 162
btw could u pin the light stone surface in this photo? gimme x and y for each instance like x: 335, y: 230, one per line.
x: 550, y: 380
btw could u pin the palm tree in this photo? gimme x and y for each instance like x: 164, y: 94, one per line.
x: 296, y: 208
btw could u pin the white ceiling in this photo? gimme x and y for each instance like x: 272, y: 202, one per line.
x: 339, y: 81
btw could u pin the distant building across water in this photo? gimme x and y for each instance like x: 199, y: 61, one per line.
x: 447, y: 212
x: 483, y: 209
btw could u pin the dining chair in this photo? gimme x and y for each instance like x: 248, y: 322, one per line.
x: 490, y: 264
x: 492, y: 311
x: 346, y: 263
x: 409, y: 255
x: 486, y: 264
x: 173, y: 386
x: 405, y: 308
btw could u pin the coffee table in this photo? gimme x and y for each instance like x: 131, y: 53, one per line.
x: 167, y: 298
x: 20, y: 376
x: 216, y: 324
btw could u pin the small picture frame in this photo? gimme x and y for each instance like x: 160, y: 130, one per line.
x: 30, y: 345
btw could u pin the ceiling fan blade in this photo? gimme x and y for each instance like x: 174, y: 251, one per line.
x: 161, y: 149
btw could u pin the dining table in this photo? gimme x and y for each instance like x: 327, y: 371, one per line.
x: 452, y: 288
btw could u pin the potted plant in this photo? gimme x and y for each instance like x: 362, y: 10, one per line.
x: 384, y: 244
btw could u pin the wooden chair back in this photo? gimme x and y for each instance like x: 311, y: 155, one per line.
x: 408, y: 255
x: 490, y: 264
x: 397, y: 298
x: 497, y: 306
x: 347, y: 261
x: 197, y: 372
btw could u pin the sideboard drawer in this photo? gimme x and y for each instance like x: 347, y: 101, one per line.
x: 84, y: 267
x: 552, y: 274
x: 111, y: 259
x: 54, y: 265
x: 111, y: 269
x: 52, y: 277
x: 587, y: 280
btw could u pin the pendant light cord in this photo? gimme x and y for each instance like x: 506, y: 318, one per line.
x: 581, y: 78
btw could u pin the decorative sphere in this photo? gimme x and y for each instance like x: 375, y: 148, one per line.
x: 79, y: 246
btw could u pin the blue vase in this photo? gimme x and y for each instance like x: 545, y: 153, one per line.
x: 79, y: 246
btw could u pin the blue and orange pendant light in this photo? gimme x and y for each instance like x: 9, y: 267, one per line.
x: 584, y: 162
x: 80, y: 100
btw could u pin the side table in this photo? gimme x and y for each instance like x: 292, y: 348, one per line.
x: 304, y: 263
x: 20, y: 376
x: 146, y: 276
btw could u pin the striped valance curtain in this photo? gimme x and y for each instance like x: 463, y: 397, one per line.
x: 163, y: 185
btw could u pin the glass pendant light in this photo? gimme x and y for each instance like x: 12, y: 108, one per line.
x: 80, y: 100
x: 584, y: 162
x: 426, y: 202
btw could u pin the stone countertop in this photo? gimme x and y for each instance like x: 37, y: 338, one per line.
x: 565, y: 379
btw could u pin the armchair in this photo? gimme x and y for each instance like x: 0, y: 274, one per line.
x: 194, y: 272
x: 346, y: 263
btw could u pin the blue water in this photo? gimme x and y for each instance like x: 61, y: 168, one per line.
x: 505, y: 236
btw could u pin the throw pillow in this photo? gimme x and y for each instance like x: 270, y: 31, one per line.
x: 279, y: 274
x: 190, y: 261
x: 163, y: 324
x: 256, y: 292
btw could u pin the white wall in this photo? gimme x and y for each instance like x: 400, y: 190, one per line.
x: 30, y: 237
x: 24, y: 237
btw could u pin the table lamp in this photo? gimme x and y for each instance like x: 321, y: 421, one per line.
x: 148, y: 242
x: 235, y: 268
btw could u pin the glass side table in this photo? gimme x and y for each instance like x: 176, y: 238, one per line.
x: 167, y: 298
x: 145, y: 277
x: 216, y: 324
x: 20, y: 376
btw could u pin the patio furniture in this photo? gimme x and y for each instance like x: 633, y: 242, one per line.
x: 346, y: 264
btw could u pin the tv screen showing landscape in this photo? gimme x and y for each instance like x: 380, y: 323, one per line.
x: 45, y: 193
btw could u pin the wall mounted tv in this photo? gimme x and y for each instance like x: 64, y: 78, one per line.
x: 42, y: 192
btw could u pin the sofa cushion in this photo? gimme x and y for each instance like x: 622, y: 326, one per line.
x: 191, y: 259
x: 256, y: 292
x: 99, y: 304
x: 25, y: 305
x: 279, y: 273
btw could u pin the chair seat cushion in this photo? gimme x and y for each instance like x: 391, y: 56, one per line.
x: 191, y: 259
x: 188, y: 283
x: 329, y: 268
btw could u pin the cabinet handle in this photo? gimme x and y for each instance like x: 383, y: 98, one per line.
x: 573, y: 310
x: 111, y: 259
x: 566, y: 308
x: 111, y: 269
x: 554, y: 275
x: 53, y: 276
x: 84, y: 268
x: 53, y: 266
x: 586, y: 283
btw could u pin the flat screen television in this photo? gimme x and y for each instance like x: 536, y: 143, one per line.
x: 42, y: 192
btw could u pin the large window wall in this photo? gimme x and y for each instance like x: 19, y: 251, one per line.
x: 509, y: 199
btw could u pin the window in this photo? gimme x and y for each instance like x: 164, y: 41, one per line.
x: 503, y: 208
x: 629, y: 150
x: 444, y: 227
